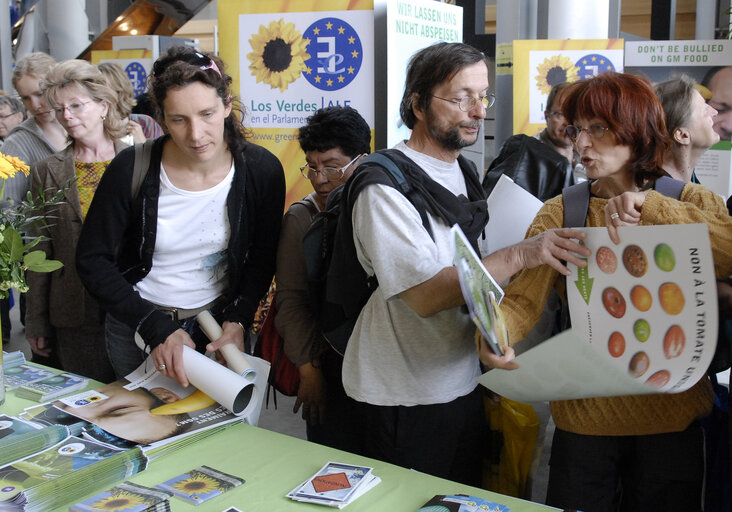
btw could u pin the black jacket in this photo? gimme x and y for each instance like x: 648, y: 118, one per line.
x: 532, y: 165
x: 117, y: 241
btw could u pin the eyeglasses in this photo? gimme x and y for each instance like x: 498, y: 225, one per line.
x: 3, y: 117
x: 552, y: 113
x: 595, y: 131
x: 196, y: 59
x: 330, y: 173
x: 74, y: 108
x: 468, y: 103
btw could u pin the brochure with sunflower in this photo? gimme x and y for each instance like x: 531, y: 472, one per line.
x: 200, y: 484
x: 126, y: 497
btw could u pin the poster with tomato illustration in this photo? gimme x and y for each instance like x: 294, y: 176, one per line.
x: 644, y: 320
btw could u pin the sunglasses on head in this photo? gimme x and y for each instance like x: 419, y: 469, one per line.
x: 195, y: 59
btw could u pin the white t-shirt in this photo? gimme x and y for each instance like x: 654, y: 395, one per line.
x: 395, y: 357
x: 189, y: 263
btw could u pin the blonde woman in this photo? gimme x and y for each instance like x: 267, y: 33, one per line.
x: 58, y: 306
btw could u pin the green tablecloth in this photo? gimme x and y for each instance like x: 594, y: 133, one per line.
x: 273, y: 464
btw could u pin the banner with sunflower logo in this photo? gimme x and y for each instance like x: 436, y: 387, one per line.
x: 540, y: 64
x: 289, y: 59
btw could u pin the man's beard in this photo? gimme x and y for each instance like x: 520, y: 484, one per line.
x: 450, y: 139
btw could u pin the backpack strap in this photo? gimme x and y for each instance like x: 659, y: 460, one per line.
x: 669, y: 187
x: 143, y: 153
x: 400, y: 181
x: 576, y: 201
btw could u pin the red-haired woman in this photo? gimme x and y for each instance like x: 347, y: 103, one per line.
x: 640, y: 452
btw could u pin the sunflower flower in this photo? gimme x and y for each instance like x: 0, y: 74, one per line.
x: 555, y: 70
x: 197, y: 483
x: 279, y: 54
x: 121, y: 500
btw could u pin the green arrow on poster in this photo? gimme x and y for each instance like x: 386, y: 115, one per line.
x: 584, y: 283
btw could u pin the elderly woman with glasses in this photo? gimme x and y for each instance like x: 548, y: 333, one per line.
x: 200, y: 233
x: 640, y: 452
x: 57, y: 305
x: 334, y: 141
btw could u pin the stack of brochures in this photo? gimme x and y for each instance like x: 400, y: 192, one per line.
x: 23, y: 374
x: 11, y: 359
x: 53, y: 468
x: 52, y: 387
x: 335, y: 485
x: 126, y: 496
x: 462, y: 503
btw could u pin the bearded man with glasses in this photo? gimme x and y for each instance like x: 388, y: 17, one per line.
x: 411, y: 361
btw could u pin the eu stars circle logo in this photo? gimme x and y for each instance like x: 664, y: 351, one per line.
x: 335, y: 53
x: 138, y: 77
x: 592, y: 65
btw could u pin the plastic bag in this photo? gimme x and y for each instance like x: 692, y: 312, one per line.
x: 513, y: 431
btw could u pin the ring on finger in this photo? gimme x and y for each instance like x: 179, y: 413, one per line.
x: 162, y: 367
x: 614, y: 216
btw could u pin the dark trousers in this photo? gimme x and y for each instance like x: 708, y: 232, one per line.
x: 342, y: 428
x: 444, y: 440
x: 662, y: 472
x: 81, y: 349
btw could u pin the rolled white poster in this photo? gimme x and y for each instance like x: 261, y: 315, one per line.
x: 237, y: 360
x: 223, y: 385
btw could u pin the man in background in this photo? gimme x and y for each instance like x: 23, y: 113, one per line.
x: 719, y: 82
x: 544, y: 164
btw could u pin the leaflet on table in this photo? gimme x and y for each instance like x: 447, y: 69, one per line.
x: 644, y: 320
x: 10, y: 426
x: 126, y: 497
x: 335, y: 485
x: 22, y: 374
x: 63, y: 458
x: 11, y: 359
x: 368, y: 484
x: 200, y: 484
x: 511, y: 211
x: 52, y: 387
x: 481, y: 293
x: 461, y: 503
x: 148, y: 408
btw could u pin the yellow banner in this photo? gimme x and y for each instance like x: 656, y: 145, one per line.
x: 290, y: 58
x: 540, y: 64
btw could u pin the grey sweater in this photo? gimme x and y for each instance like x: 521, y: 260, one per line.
x: 27, y: 142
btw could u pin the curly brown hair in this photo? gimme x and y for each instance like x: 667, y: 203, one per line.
x: 182, y: 65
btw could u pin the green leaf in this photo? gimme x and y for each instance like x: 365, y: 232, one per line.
x: 37, y: 262
x: 13, y: 243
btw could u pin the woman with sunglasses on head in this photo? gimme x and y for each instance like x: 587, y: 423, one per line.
x: 57, y: 305
x: 200, y: 234
x: 640, y: 452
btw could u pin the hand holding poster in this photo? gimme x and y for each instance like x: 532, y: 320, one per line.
x: 644, y: 320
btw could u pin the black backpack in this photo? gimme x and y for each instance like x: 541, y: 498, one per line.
x: 339, y: 286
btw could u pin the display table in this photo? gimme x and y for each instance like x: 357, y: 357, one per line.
x: 273, y: 464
